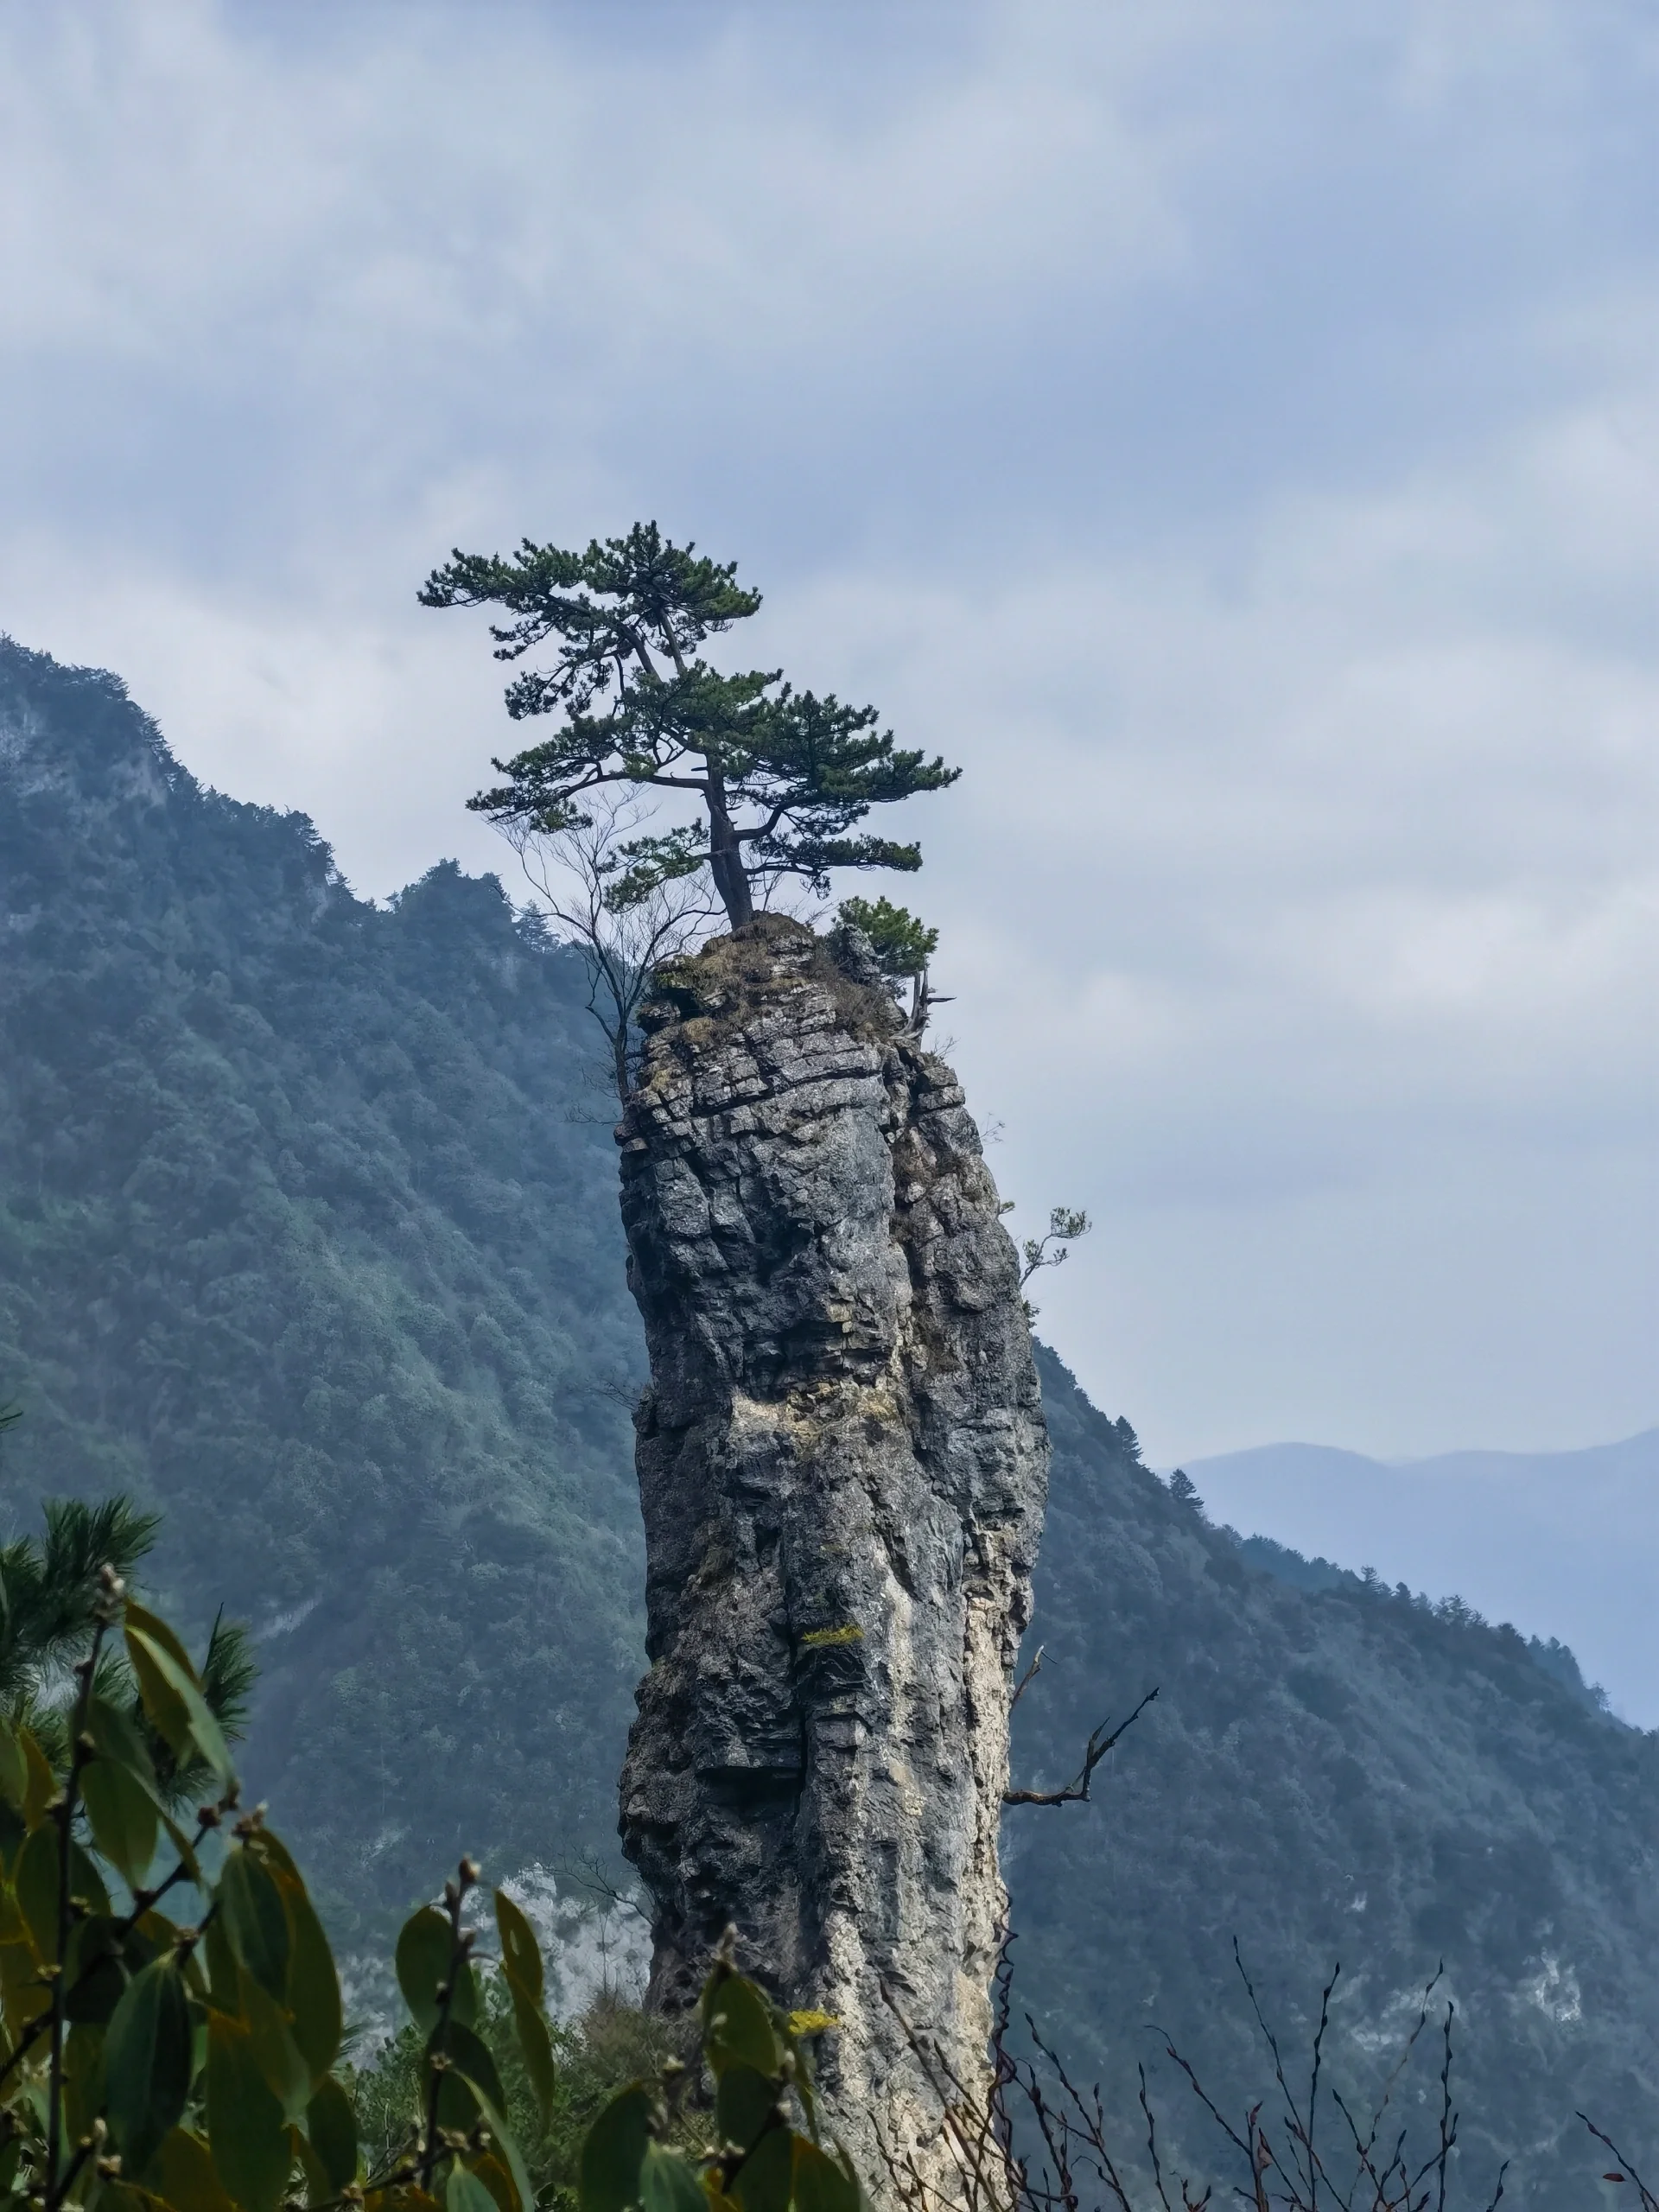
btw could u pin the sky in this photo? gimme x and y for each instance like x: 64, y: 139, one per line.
x: 1229, y: 429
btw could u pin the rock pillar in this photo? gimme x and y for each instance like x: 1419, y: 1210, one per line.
x: 842, y: 1464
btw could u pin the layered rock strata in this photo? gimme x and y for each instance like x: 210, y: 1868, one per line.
x: 842, y: 1464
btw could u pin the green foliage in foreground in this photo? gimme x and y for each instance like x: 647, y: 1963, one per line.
x: 49, y: 1606
x: 150, y: 2059
x: 614, y: 2043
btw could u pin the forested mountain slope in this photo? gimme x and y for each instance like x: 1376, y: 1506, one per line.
x: 1566, y: 1539
x: 299, y: 1241
x: 308, y: 1234
x: 1342, y: 1774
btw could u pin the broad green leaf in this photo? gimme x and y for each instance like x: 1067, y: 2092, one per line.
x: 614, y: 2152
x: 171, y: 1693
x: 36, y: 1885
x: 163, y: 1702
x: 669, y: 2183
x: 118, y: 1741
x: 737, y: 2026
x: 147, y: 2053
x: 184, y: 2174
x: 495, y: 2121
x: 182, y: 1844
x: 823, y: 2183
x: 83, y: 2080
x: 274, y: 1851
x: 319, y: 2189
x: 521, y: 1962
x: 159, y: 1633
x: 86, y: 1883
x: 98, y: 1973
x: 763, y: 2182
x: 496, y: 2178
x: 313, y: 1983
x: 287, y: 2075
x: 535, y: 2047
x: 154, y: 1936
x: 126, y: 2196
x: 521, y: 1956
x: 256, y: 1920
x: 744, y: 2102
x: 13, y: 1829
x: 400, y: 2196
x: 464, y: 2192
x: 123, y: 1817
x: 20, y: 1985
x: 13, y: 1770
x: 331, y: 2123
x: 21, y: 1988
x: 245, y: 2129
x: 471, y: 2071
x: 42, y: 1787
x: 423, y: 1959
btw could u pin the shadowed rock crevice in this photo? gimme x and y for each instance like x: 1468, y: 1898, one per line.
x: 842, y: 1464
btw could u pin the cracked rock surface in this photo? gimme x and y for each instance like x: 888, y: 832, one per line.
x: 843, y: 1463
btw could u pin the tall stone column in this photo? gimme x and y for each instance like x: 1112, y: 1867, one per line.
x: 843, y: 1464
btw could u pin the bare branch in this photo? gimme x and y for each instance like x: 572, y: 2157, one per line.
x: 1076, y: 1791
x: 1650, y: 2202
x: 1027, y: 1678
x: 621, y: 942
x: 587, y: 1874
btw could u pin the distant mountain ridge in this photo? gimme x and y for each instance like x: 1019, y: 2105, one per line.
x: 1564, y: 1544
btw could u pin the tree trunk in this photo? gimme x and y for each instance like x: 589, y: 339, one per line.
x: 726, y: 855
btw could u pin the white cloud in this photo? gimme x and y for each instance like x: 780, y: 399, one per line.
x: 1233, y: 433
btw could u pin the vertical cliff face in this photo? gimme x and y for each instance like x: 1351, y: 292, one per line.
x: 842, y: 1464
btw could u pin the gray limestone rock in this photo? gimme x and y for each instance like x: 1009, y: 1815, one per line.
x: 843, y: 1464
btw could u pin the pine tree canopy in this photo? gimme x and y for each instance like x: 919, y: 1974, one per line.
x: 903, y: 943
x: 784, y: 776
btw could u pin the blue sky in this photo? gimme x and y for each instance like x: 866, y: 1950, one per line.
x: 1231, y: 430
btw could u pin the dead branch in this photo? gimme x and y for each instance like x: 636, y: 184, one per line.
x: 587, y: 1874
x: 1077, y: 1790
x: 1027, y: 1678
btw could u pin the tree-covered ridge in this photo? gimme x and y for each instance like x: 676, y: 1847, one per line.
x: 1341, y: 1774
x: 308, y: 1237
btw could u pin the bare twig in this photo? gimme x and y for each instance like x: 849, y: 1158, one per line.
x: 623, y: 928
x: 1077, y: 1790
x: 588, y: 1874
x: 1650, y: 2202
x: 1027, y: 1678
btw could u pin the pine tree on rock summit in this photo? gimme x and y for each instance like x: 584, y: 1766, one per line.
x: 783, y: 775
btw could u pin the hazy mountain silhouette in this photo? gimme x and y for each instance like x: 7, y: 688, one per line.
x: 1561, y: 1543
